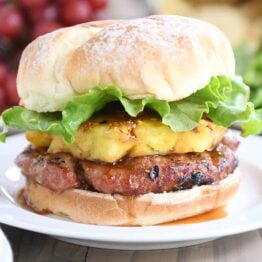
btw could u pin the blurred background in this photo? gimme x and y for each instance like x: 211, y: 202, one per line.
x: 21, y: 21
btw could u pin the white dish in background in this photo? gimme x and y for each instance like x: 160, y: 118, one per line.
x: 5, y: 249
x: 244, y: 212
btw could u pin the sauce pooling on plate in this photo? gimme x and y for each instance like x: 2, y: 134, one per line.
x: 209, y: 216
x: 21, y: 200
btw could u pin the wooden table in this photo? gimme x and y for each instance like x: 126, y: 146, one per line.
x: 28, y: 246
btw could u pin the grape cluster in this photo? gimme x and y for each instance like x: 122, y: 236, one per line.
x: 21, y: 21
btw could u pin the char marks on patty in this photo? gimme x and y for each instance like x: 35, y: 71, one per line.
x: 130, y: 176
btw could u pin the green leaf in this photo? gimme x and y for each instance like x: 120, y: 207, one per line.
x: 23, y: 119
x: 2, y: 137
x: 249, y: 65
x: 223, y: 100
x: 256, y: 97
x: 253, y: 74
x: 254, y: 123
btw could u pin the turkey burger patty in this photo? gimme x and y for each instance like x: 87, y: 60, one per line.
x: 130, y: 176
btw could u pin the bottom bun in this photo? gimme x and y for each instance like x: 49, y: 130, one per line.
x: 149, y: 209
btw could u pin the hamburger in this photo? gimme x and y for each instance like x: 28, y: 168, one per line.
x: 127, y: 120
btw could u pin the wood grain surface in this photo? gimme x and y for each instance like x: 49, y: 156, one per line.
x: 28, y: 246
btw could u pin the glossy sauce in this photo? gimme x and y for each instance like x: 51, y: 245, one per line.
x: 209, y: 216
x: 21, y: 200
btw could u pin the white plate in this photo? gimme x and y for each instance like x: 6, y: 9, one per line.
x: 5, y: 249
x: 244, y: 212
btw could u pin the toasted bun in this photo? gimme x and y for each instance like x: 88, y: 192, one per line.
x: 169, y: 57
x: 149, y: 209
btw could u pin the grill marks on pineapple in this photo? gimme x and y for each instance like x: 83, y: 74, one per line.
x: 111, y: 139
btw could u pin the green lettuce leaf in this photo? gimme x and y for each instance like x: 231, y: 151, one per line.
x: 23, y: 119
x: 223, y: 100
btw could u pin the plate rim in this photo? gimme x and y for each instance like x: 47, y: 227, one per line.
x: 123, y: 232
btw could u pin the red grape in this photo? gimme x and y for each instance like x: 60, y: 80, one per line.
x: 10, y: 89
x: 49, y: 13
x: 3, y: 73
x: 32, y: 3
x: 11, y: 22
x: 45, y: 27
x: 98, y: 4
x: 76, y: 12
x: 2, y: 2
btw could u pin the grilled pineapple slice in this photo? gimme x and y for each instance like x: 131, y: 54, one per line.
x: 38, y: 139
x: 111, y: 138
x: 97, y: 141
